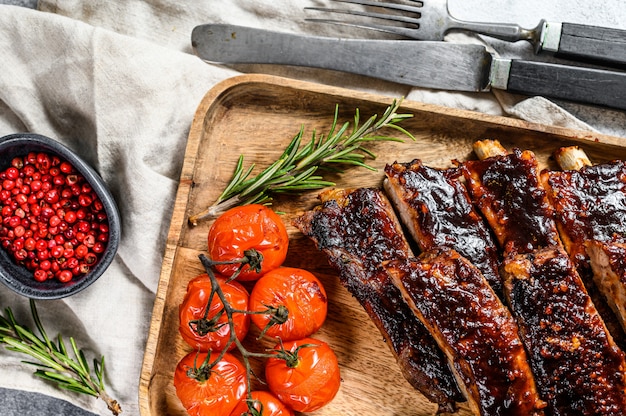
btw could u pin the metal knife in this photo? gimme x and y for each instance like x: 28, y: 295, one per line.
x: 428, y: 64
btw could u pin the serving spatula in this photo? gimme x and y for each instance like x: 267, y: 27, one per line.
x: 429, y: 64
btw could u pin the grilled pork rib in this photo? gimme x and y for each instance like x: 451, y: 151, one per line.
x: 473, y: 328
x: 579, y: 369
x: 608, y: 261
x: 545, y: 292
x: 358, y: 230
x: 507, y: 190
x: 436, y: 209
x: 590, y: 204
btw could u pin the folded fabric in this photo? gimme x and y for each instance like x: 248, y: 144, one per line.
x: 116, y: 81
x: 125, y: 105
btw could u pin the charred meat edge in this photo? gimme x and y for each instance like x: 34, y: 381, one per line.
x: 520, y: 278
x: 579, y: 369
x: 475, y: 330
x: 435, y: 207
x: 358, y: 230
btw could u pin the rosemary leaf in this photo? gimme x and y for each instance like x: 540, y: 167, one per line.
x: 294, y: 170
x: 98, y: 368
x: 53, y: 363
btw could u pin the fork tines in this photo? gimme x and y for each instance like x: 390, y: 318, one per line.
x: 398, y: 8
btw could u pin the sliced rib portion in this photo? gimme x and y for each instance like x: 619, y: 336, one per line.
x: 473, y: 328
x: 358, y: 230
x: 435, y: 207
x: 578, y: 368
x: 590, y: 204
x: 608, y: 261
x: 507, y: 190
x: 569, y: 345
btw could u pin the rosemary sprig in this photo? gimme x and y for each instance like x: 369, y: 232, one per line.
x: 54, y: 363
x: 296, y: 169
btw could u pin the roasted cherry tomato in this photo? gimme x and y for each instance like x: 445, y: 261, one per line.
x: 304, y: 374
x: 263, y: 403
x: 244, y: 228
x: 295, y: 301
x: 209, y: 330
x: 209, y: 389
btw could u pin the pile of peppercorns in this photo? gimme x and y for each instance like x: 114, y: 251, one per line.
x: 53, y: 222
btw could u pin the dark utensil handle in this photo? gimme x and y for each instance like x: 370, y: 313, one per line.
x: 585, y: 85
x: 593, y: 44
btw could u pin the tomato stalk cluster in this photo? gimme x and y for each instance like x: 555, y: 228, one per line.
x: 216, y: 289
x: 286, y: 304
x: 202, y: 372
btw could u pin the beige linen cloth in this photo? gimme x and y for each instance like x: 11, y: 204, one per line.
x: 117, y: 82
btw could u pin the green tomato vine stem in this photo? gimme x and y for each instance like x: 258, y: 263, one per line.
x: 228, y: 310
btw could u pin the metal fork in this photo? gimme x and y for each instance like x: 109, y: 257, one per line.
x: 426, y: 20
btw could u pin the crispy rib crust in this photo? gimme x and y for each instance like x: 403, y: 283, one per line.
x: 508, y: 192
x: 436, y: 208
x: 578, y: 368
x: 608, y: 261
x: 590, y: 204
x: 358, y: 230
x: 473, y: 328
x: 545, y: 292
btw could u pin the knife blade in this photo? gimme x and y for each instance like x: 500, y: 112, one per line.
x: 427, y: 64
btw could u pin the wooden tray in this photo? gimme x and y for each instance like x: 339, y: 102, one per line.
x: 257, y: 116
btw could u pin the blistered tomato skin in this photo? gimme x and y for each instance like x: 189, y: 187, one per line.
x: 312, y: 382
x: 216, y: 334
x: 302, y: 297
x: 271, y: 405
x: 218, y: 393
x: 244, y: 228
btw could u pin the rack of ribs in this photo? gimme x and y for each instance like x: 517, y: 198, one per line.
x: 473, y: 328
x: 590, y: 202
x: 577, y: 365
x: 358, y: 230
x: 435, y: 207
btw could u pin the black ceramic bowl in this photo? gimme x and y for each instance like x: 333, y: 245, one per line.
x: 17, y: 277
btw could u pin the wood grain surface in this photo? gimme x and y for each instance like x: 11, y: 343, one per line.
x: 257, y: 115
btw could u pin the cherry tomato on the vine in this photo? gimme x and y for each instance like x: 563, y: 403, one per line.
x: 209, y: 330
x: 209, y: 389
x: 244, y: 228
x: 295, y: 301
x: 263, y: 403
x: 304, y: 374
